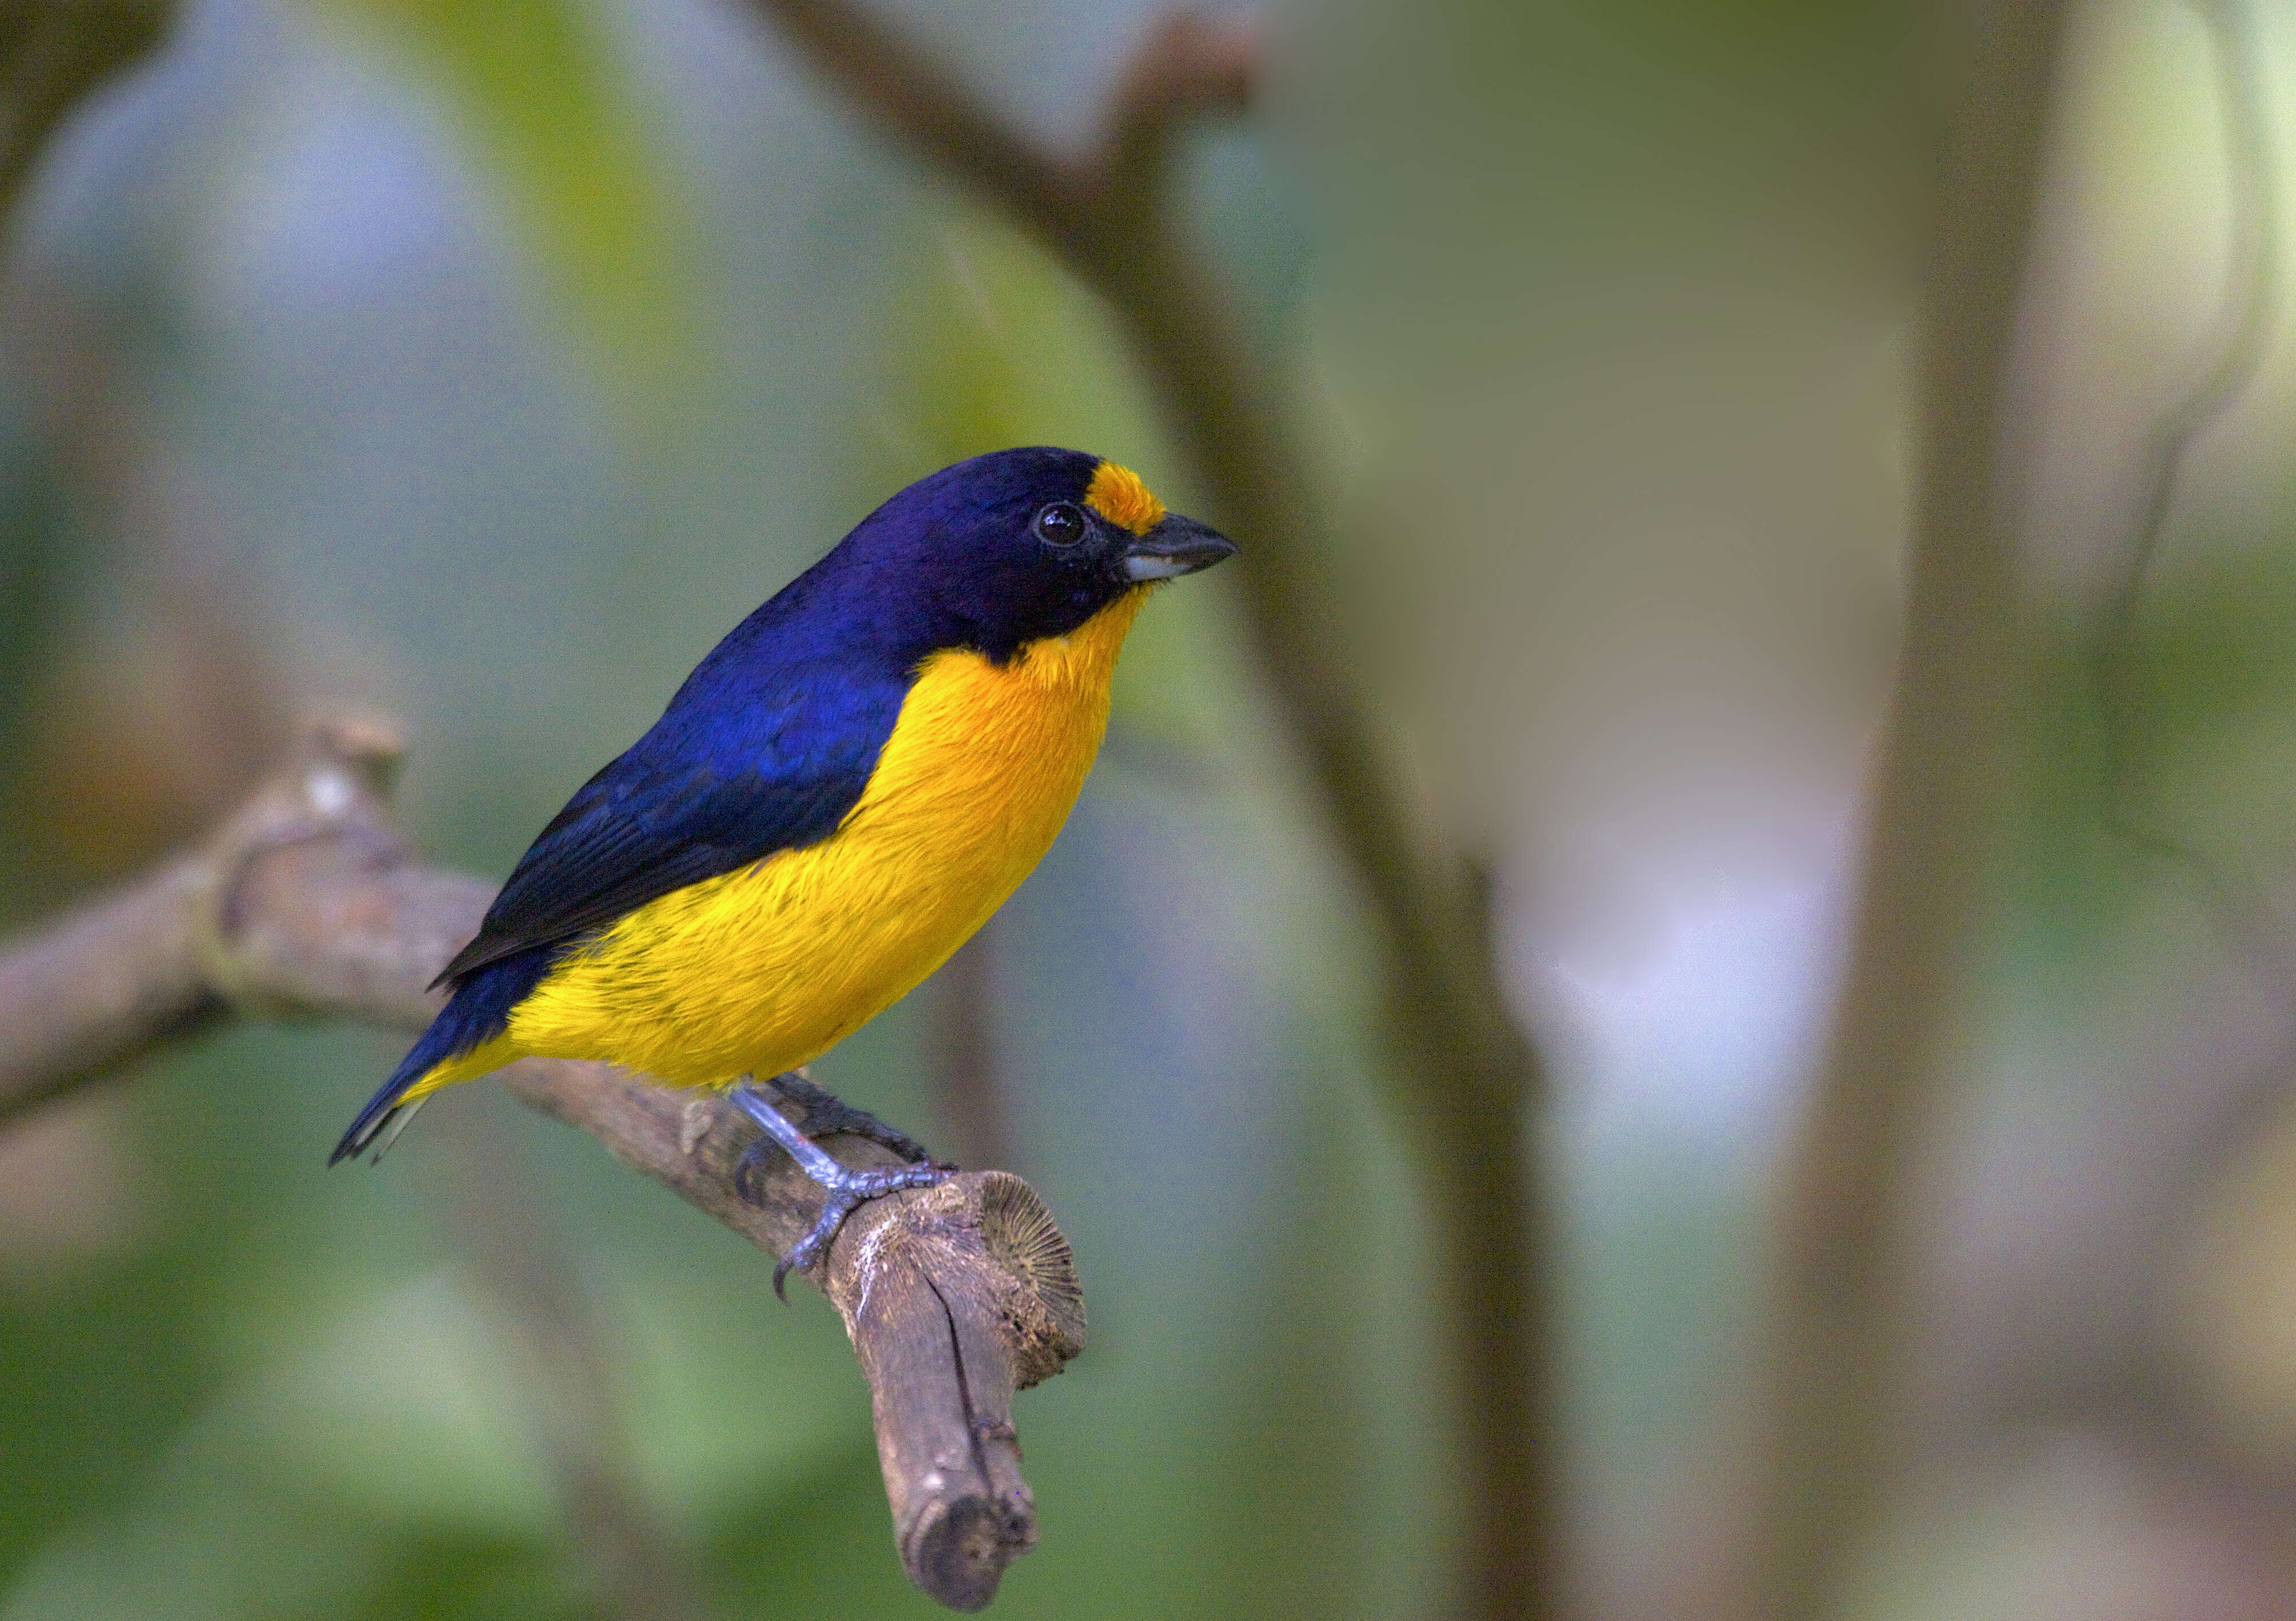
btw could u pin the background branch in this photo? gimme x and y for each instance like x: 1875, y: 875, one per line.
x: 1844, y: 1250
x: 307, y: 903
x: 1463, y: 1082
x: 968, y: 1092
x: 53, y: 54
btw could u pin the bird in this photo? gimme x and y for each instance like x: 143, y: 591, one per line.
x: 840, y: 794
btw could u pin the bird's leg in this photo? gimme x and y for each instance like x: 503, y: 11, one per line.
x: 827, y: 1115
x: 843, y: 1190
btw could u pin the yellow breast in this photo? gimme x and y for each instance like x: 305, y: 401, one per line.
x: 760, y: 970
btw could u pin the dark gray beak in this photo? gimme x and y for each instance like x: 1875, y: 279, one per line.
x: 1176, y: 545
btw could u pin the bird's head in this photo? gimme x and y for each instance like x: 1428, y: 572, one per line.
x: 1018, y: 545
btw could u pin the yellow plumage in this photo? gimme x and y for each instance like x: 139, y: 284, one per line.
x: 759, y: 970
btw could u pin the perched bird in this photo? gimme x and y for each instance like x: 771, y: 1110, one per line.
x: 840, y: 793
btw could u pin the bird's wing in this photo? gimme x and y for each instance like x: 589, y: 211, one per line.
x: 667, y: 814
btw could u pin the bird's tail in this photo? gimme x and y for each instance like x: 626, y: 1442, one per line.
x: 449, y: 1051
x: 465, y: 1040
x: 391, y: 1108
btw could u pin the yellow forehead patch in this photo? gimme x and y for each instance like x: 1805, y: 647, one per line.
x: 1118, y: 495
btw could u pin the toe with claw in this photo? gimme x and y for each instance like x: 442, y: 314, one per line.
x: 827, y: 1115
x: 853, y: 1189
x: 843, y: 1190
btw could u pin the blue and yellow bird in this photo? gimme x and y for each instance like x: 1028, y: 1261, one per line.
x: 838, y: 797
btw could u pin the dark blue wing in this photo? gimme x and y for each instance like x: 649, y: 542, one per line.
x: 708, y: 791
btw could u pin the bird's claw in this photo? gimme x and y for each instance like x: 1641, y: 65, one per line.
x: 746, y: 1167
x: 840, y: 1201
x: 827, y: 1115
x: 762, y: 1149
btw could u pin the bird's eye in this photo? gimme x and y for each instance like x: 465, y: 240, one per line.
x: 1061, y: 524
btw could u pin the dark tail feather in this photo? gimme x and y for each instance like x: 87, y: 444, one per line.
x: 477, y: 1012
x: 386, y: 1108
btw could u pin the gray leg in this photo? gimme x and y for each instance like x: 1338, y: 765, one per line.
x: 843, y: 1190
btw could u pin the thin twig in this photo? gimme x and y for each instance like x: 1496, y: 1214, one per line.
x: 2241, y: 914
x: 1842, y: 1265
x: 308, y: 903
x: 968, y: 1092
x: 1462, y: 1080
x: 51, y: 55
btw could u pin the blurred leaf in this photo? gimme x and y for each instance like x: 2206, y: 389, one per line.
x: 731, y: 1395
x: 409, y: 1407
x: 537, y: 89
x: 2215, y: 650
x: 1000, y: 346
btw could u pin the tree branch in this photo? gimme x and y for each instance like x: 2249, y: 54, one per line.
x: 1843, y: 1290
x: 968, y: 1092
x: 51, y: 55
x: 1463, y: 1081
x: 307, y: 902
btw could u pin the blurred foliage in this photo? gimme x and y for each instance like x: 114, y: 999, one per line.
x: 2162, y: 763
x: 547, y: 109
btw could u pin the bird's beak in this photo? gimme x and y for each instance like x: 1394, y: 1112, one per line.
x: 1176, y: 545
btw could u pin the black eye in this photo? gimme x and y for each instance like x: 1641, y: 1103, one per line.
x: 1061, y: 524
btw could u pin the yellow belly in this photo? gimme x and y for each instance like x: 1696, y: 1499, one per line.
x: 761, y: 969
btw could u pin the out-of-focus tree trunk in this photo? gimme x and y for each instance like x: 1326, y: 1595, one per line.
x: 1841, y: 1306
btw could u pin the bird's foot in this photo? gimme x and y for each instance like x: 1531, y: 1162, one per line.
x: 851, y: 1191
x: 843, y: 1189
x: 827, y: 1115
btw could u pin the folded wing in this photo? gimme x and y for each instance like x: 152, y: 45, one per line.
x: 681, y: 806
